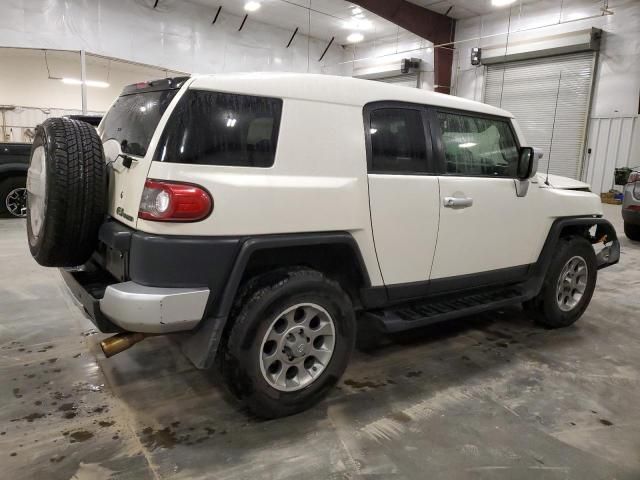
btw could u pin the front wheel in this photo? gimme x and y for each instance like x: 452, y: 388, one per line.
x: 290, y: 340
x: 568, y: 285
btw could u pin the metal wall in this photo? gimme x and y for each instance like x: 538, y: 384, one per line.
x: 614, y: 143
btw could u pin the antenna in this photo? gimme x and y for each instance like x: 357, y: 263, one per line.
x: 553, y: 127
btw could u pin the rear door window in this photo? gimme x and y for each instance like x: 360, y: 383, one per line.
x: 132, y: 119
x: 215, y: 128
x: 398, y: 143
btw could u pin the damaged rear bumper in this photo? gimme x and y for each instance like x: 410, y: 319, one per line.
x: 132, y: 307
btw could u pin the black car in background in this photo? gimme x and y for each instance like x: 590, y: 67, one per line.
x: 14, y: 163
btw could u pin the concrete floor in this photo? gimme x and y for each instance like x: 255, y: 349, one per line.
x: 491, y: 396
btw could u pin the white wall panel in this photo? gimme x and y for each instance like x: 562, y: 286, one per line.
x: 614, y: 143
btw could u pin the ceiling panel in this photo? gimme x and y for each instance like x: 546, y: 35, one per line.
x: 322, y: 18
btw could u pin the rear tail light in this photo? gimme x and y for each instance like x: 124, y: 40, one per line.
x: 634, y: 177
x: 174, y: 202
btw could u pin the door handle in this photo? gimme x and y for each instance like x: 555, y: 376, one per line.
x: 455, y: 202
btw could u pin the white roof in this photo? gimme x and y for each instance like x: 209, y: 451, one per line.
x: 333, y: 89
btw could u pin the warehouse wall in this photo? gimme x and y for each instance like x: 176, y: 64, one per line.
x: 178, y: 35
x: 382, y: 57
x: 617, y: 83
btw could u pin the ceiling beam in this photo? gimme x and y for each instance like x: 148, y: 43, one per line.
x: 434, y: 27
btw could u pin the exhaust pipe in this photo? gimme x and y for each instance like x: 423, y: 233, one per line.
x: 121, y: 342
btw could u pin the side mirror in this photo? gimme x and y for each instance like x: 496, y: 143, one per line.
x: 527, y: 163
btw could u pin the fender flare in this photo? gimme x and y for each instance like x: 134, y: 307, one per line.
x: 603, y: 227
x: 202, y: 344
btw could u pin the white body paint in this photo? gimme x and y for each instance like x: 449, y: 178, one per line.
x: 319, y: 182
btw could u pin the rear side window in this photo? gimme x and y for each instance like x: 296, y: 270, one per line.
x: 132, y: 119
x: 397, y: 141
x: 214, y: 128
x: 477, y: 146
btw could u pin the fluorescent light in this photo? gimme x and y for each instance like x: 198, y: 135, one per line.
x: 90, y: 83
x: 502, y: 3
x: 355, y: 37
x: 72, y: 81
x: 251, y: 6
x: 231, y: 122
x: 467, y: 145
x: 373, y: 130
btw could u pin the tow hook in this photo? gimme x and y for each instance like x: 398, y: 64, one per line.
x: 121, y: 342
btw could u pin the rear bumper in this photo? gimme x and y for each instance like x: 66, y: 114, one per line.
x: 129, y: 306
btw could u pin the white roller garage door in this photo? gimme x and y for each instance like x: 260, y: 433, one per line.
x: 406, y: 80
x: 550, y: 99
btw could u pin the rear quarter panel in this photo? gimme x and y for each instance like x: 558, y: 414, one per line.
x: 318, y: 182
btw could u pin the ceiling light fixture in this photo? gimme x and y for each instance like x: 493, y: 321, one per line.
x: 502, y: 3
x: 90, y: 83
x: 251, y: 6
x: 355, y: 37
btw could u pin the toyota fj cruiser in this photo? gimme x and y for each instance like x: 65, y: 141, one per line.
x: 262, y: 214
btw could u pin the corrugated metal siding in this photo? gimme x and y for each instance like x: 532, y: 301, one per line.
x: 614, y: 143
x: 530, y: 89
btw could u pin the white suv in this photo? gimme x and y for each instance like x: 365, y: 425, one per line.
x: 264, y: 213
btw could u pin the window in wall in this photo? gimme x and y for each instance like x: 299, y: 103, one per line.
x: 213, y: 128
x: 397, y: 141
x: 477, y: 146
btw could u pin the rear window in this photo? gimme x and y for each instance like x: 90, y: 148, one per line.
x: 133, y: 118
x: 214, y: 128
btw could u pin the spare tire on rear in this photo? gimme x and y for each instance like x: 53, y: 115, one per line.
x: 66, y: 192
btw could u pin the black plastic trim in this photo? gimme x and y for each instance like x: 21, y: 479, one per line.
x: 79, y: 284
x: 173, y: 83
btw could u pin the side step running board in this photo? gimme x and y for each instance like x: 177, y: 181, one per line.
x: 413, y: 315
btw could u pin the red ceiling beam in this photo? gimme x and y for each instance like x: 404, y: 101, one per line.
x: 435, y: 27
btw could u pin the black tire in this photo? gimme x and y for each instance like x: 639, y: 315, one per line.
x: 7, y: 186
x: 544, y: 307
x: 258, y: 305
x: 632, y: 231
x: 75, y: 193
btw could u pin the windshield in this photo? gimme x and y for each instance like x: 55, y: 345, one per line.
x: 133, y: 118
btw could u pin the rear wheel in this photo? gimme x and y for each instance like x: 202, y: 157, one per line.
x: 632, y: 231
x: 13, y: 197
x: 289, y: 342
x: 568, y: 285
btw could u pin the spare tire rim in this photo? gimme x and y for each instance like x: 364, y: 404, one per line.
x: 572, y: 283
x: 16, y: 202
x: 37, y: 190
x: 297, y: 347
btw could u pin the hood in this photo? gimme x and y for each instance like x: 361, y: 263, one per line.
x: 564, y: 183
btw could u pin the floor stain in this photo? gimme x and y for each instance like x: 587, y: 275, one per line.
x: 165, y: 438
x: 80, y: 436
x: 606, y: 422
x: 413, y: 373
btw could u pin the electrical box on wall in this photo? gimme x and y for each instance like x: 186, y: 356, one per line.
x: 409, y: 65
x: 476, y: 55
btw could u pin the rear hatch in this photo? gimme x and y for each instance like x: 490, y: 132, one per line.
x: 127, y: 132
